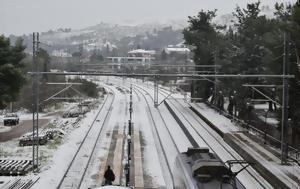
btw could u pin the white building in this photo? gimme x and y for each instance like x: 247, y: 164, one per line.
x: 178, y: 49
x: 141, y: 53
x: 61, y: 53
x: 135, y: 56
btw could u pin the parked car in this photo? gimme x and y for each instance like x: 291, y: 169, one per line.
x: 11, y: 119
x: 28, y: 141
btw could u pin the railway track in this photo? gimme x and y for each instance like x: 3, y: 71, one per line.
x: 111, y: 147
x: 167, y: 162
x: 20, y: 183
x: 157, y: 119
x: 215, y: 142
x: 191, y: 121
x: 76, y: 170
x: 175, y: 143
x: 10, y: 167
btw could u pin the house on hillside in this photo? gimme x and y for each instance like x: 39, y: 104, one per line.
x: 61, y: 53
x: 141, y: 56
x: 180, y: 48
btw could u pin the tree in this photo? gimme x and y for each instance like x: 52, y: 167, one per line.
x: 251, y: 47
x: 202, y: 35
x: 76, y: 54
x: 96, y: 56
x: 11, y: 77
x: 87, y: 88
x: 44, y: 60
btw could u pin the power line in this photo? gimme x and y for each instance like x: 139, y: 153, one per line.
x: 237, y: 76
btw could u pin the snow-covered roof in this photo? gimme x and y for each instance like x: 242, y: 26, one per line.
x: 142, y: 51
x: 181, y: 44
x: 60, y: 53
x: 177, y: 49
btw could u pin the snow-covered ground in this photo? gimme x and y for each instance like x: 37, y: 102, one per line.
x: 56, y: 156
x: 51, y: 174
x: 151, y: 159
x: 50, y: 153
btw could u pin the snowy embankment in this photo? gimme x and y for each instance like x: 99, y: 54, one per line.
x: 51, y: 174
x: 52, y: 156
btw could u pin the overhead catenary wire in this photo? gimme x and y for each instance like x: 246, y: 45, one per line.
x: 237, y: 76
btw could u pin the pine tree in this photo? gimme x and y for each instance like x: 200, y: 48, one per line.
x: 202, y: 35
x: 11, y: 77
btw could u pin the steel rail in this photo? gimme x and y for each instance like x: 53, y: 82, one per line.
x: 210, y: 132
x: 158, y: 136
x: 84, y: 139
x: 207, y: 131
x: 94, y: 146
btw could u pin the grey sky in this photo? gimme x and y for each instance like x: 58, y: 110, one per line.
x: 26, y: 16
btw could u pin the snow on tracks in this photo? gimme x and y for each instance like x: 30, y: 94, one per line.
x: 77, y: 168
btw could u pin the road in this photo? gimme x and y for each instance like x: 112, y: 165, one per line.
x: 19, y: 130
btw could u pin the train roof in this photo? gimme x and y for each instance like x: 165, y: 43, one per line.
x: 205, y: 165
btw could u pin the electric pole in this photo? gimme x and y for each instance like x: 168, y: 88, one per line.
x: 285, y: 101
x: 35, y: 104
x: 215, y: 79
x: 130, y: 124
x: 155, y: 91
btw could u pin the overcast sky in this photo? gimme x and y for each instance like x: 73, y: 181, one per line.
x: 26, y: 16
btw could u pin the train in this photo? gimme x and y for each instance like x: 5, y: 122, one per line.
x: 198, y: 168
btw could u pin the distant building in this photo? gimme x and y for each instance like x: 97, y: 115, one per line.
x: 135, y: 56
x: 61, y: 53
x: 178, y: 49
x: 104, y: 46
x: 141, y: 53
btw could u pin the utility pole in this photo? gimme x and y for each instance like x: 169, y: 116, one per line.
x: 285, y: 101
x: 215, y: 70
x: 155, y: 91
x: 35, y: 104
x: 130, y: 124
x: 130, y: 109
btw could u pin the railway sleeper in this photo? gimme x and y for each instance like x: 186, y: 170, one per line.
x: 15, y: 167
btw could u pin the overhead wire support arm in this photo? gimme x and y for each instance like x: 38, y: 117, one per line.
x: 49, y: 83
x: 243, y: 163
x: 237, y: 76
x: 268, y: 86
x: 66, y: 98
x: 54, y: 95
x: 267, y: 97
x: 77, y: 91
x: 165, y: 98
